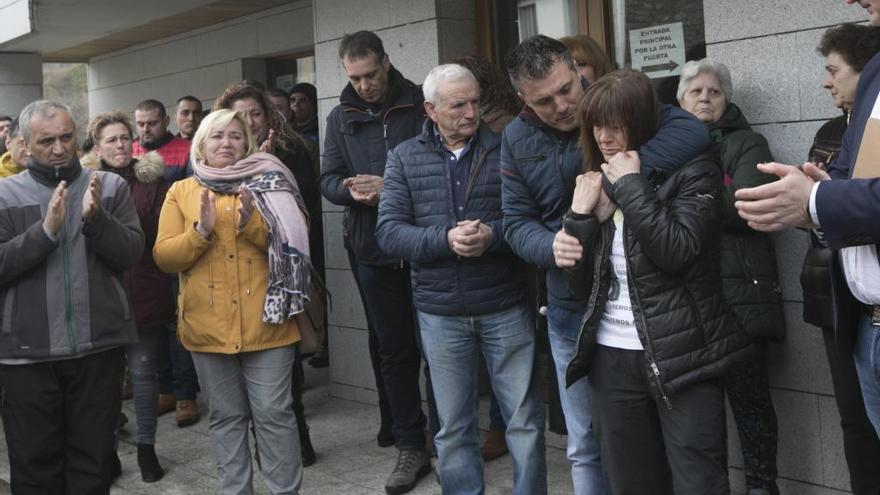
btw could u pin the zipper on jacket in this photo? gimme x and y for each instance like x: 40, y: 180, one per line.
x: 210, y: 284
x: 68, y: 302
x: 594, y: 293
x: 648, y: 349
x: 247, y: 262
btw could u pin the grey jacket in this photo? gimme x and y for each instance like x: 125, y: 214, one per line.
x: 64, y: 297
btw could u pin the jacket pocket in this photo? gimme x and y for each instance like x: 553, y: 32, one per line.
x: 8, y: 309
x: 123, y: 298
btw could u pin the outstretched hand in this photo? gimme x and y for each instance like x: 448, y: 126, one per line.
x: 780, y: 204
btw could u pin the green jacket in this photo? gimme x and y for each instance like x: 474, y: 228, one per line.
x: 748, y: 259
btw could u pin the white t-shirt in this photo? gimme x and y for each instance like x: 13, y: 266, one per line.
x: 616, y: 327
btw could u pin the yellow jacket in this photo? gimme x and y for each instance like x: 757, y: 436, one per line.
x: 222, y: 279
x: 7, y: 166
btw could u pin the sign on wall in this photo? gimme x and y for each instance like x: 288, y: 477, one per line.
x: 658, y: 51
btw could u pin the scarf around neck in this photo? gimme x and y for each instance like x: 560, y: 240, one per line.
x: 278, y: 200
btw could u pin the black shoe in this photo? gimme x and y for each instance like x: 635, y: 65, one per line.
x: 115, y: 468
x: 151, y: 471
x: 305, y: 444
x: 385, y: 438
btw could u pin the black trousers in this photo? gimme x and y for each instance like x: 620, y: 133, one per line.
x: 388, y: 304
x: 60, y: 422
x: 748, y: 390
x: 647, y: 448
x: 860, y: 443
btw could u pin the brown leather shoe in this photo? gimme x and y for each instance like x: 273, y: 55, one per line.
x: 495, y: 446
x: 167, y: 403
x: 187, y: 413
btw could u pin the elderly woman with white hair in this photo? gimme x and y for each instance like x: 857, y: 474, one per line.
x: 748, y: 265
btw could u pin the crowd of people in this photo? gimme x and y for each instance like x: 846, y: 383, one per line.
x: 194, y: 262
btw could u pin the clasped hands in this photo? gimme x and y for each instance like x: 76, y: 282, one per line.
x: 57, y: 208
x: 469, y: 238
x: 208, y: 210
x: 590, y: 198
x: 364, y: 188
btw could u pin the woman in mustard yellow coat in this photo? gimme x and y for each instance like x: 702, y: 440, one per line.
x: 236, y: 233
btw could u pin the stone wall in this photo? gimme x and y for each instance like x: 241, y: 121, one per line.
x: 201, y: 62
x: 770, y: 48
x: 21, y: 81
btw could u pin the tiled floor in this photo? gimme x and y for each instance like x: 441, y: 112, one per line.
x: 343, y: 433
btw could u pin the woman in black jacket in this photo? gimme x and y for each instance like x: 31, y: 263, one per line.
x: 657, y: 333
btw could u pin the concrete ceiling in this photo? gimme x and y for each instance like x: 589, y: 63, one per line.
x: 77, y: 30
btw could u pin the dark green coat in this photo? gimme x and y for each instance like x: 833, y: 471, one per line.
x: 748, y: 260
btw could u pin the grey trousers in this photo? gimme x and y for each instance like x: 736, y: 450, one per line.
x: 252, y: 386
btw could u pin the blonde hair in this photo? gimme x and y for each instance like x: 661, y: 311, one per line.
x: 220, y: 119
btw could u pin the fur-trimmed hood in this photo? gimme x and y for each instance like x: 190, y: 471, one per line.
x: 148, y: 168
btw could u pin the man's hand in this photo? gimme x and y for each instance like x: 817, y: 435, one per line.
x: 606, y: 208
x: 782, y: 203
x: 207, y: 214
x: 567, y: 250
x: 92, y: 198
x: 622, y: 164
x: 469, y: 238
x: 588, y: 188
x: 364, y: 188
x: 246, y: 209
x: 56, y: 209
x: 268, y: 146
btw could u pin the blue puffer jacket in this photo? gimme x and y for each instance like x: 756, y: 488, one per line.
x: 416, y: 212
x: 539, y: 166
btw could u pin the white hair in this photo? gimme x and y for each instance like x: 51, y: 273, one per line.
x: 444, y: 73
x: 694, y: 68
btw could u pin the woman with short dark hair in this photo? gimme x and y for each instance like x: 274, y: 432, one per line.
x: 657, y: 333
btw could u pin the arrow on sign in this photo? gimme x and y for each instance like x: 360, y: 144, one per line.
x: 670, y: 66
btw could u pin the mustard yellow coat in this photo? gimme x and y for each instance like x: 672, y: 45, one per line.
x: 222, y: 279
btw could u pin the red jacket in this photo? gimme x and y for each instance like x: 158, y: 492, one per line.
x: 174, y: 152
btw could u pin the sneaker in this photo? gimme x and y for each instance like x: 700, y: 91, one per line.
x: 412, y: 465
x: 187, y: 413
x: 167, y: 403
x: 495, y: 445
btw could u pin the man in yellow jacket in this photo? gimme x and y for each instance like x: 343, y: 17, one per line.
x: 14, y: 159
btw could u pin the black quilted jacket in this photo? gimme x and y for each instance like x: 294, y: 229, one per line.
x: 672, y: 243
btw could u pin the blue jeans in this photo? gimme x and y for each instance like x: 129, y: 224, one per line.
x: 507, y: 341
x: 144, y: 383
x: 867, y: 356
x: 252, y: 387
x: 583, y: 449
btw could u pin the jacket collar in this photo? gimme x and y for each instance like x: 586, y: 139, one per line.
x: 51, y: 176
x: 485, y: 139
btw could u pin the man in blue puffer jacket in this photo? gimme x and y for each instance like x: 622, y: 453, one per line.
x: 540, y: 159
x: 441, y: 210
